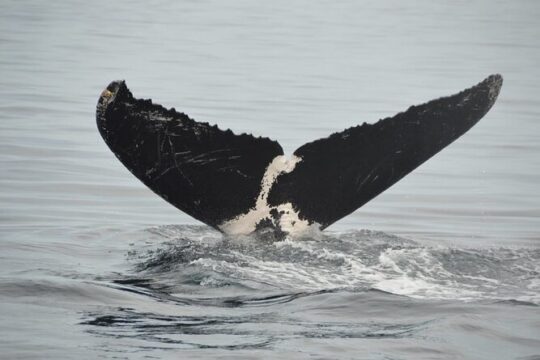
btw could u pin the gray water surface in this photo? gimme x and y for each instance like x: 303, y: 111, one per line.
x: 443, y: 265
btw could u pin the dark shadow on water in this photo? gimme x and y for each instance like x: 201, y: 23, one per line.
x: 251, y: 330
x: 146, y: 287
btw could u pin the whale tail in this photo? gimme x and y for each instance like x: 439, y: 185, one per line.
x: 241, y: 183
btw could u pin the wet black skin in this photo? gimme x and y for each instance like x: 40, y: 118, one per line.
x: 215, y: 175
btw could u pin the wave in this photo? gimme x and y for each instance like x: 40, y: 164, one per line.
x: 195, y: 260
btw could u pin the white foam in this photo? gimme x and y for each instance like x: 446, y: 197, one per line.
x: 352, y: 261
x: 290, y: 222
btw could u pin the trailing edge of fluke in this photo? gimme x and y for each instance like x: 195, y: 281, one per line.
x: 240, y: 183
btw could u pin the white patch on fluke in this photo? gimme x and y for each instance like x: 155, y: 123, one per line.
x: 289, y: 222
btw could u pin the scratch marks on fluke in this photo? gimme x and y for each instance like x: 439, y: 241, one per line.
x: 240, y: 183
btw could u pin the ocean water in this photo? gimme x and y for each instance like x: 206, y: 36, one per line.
x: 443, y: 265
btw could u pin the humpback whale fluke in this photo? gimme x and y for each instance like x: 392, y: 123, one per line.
x: 241, y: 183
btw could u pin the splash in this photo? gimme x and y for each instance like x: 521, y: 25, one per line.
x: 349, y: 261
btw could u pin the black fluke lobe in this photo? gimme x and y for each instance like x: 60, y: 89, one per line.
x: 344, y: 171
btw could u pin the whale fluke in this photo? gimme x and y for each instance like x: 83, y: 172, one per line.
x: 241, y: 183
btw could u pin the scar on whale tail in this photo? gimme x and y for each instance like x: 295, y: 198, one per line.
x: 240, y: 183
